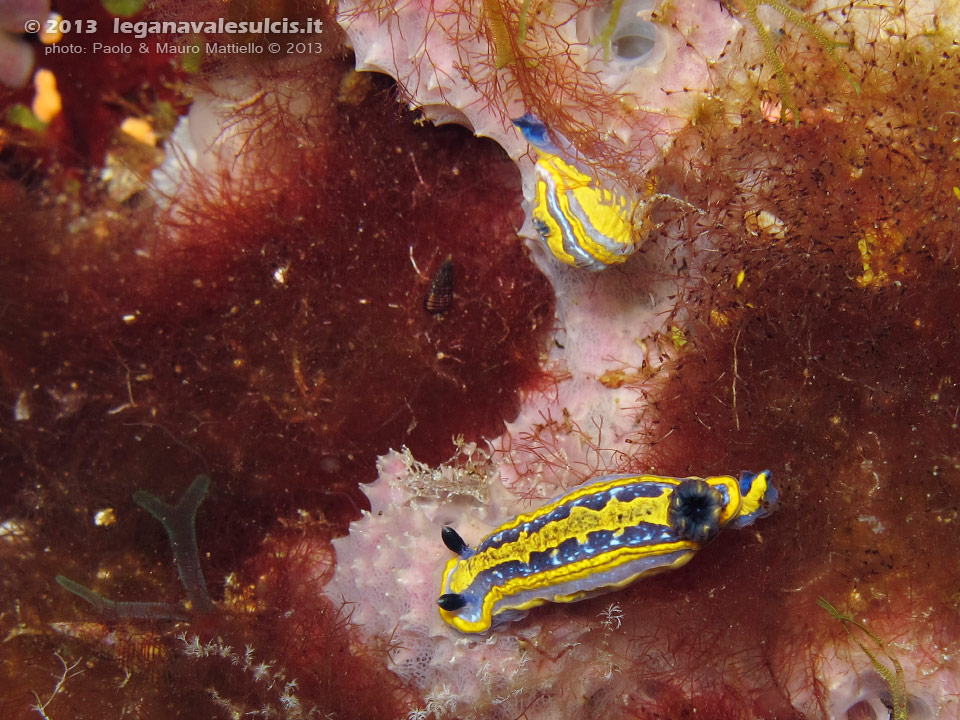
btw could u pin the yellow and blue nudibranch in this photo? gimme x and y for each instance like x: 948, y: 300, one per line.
x: 584, y: 223
x: 598, y: 537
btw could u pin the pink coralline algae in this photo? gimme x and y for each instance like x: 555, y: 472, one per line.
x: 465, y: 62
x: 390, y: 581
x: 562, y: 662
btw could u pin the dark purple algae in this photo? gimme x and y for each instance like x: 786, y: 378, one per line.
x: 133, y: 361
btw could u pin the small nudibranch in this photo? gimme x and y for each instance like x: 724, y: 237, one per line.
x: 584, y: 223
x: 598, y: 537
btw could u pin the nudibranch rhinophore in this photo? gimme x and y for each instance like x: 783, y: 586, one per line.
x: 585, y: 223
x: 600, y: 536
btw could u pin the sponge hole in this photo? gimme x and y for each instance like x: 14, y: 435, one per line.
x: 634, y: 41
x: 862, y: 710
x: 880, y: 707
x: 919, y: 709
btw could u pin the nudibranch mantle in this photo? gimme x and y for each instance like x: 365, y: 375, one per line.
x: 586, y: 223
x: 598, y: 537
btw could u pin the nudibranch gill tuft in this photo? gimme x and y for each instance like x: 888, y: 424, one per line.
x: 599, y: 536
x: 584, y: 222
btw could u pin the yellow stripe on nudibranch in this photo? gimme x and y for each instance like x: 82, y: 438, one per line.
x: 585, y: 223
x: 598, y: 537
